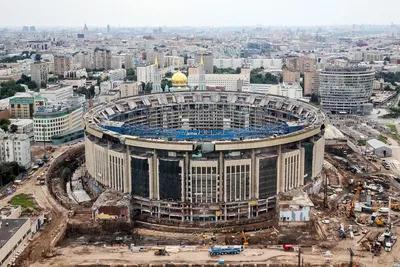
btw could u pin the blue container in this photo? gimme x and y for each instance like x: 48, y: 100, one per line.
x: 221, y: 261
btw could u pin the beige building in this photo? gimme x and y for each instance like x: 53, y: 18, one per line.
x: 311, y: 82
x: 62, y: 64
x: 291, y: 76
x: 23, y: 107
x: 39, y: 71
x: 129, y: 89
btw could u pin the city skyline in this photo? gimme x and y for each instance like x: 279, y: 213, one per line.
x: 175, y: 13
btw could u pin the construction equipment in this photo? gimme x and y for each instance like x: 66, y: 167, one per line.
x: 379, y: 222
x: 350, y: 206
x: 161, y: 252
x: 288, y: 248
x: 223, y: 250
x: 244, y: 239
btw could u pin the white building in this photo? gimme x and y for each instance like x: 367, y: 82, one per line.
x: 15, y: 147
x: 117, y: 75
x: 174, y: 61
x: 116, y: 62
x: 25, y: 126
x: 145, y: 74
x: 224, y: 63
x: 57, y: 93
x: 266, y: 63
x: 231, y: 82
x: 14, y: 235
x: 289, y: 89
x: 59, y: 119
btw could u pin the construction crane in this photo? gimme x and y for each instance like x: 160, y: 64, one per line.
x: 350, y: 207
x: 244, y: 239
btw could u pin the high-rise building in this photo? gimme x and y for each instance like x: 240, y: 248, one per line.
x: 62, y: 64
x: 208, y: 60
x: 116, y: 62
x: 129, y: 64
x: 108, y: 28
x: 291, y: 75
x: 145, y: 74
x: 39, y: 71
x: 311, y: 82
x: 102, y: 59
x: 346, y: 90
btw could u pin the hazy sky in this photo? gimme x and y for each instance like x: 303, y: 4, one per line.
x: 135, y: 13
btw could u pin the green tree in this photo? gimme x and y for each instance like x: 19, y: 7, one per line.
x: 38, y: 57
x: 4, y: 127
x: 168, y: 74
x: 9, y: 171
x: 9, y: 88
x: 314, y: 99
x: 13, y: 128
x: 148, y: 88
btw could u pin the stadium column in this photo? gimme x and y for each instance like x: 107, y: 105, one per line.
x: 281, y: 172
x: 254, y: 182
x: 221, y: 182
x: 302, y: 158
x: 127, y: 172
x: 156, y: 189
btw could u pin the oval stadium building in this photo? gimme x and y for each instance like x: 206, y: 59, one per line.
x: 204, y: 155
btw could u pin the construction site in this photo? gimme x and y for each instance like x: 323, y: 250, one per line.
x: 338, y: 207
x: 353, y: 219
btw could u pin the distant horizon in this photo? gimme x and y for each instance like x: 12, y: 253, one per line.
x: 204, y: 13
x: 189, y: 26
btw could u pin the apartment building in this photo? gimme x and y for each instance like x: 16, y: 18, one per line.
x: 39, y: 72
x: 102, y: 59
x: 129, y: 89
x: 57, y: 92
x: 15, y: 147
x: 62, y: 64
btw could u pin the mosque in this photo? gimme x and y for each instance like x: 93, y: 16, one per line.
x: 180, y: 81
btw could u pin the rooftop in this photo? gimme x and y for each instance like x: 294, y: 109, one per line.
x: 8, y: 229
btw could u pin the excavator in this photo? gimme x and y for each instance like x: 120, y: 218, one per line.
x: 350, y: 207
x: 244, y: 239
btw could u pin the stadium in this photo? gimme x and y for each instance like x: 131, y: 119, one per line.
x: 204, y: 156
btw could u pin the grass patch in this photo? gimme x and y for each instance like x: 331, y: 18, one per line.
x: 23, y: 200
x: 383, y: 139
x: 392, y: 127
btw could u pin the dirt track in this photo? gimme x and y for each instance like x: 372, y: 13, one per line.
x: 42, y: 240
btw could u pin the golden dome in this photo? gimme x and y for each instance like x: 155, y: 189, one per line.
x: 179, y: 79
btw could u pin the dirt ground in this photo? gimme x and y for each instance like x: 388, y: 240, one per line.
x: 45, y: 201
x: 85, y: 255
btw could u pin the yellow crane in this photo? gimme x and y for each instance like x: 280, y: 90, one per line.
x: 350, y: 207
x: 244, y: 239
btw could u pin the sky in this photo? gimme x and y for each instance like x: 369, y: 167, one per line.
x: 217, y: 13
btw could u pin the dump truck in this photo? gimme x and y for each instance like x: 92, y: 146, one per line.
x: 223, y: 250
x: 161, y: 252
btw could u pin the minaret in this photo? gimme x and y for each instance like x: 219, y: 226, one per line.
x: 202, y: 76
x: 156, y: 78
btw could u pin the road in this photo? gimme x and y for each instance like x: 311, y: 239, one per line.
x: 41, y: 241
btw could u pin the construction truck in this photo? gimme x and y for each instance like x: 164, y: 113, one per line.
x: 395, y: 206
x: 161, y: 252
x: 379, y: 222
x: 223, y: 250
x: 288, y: 247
